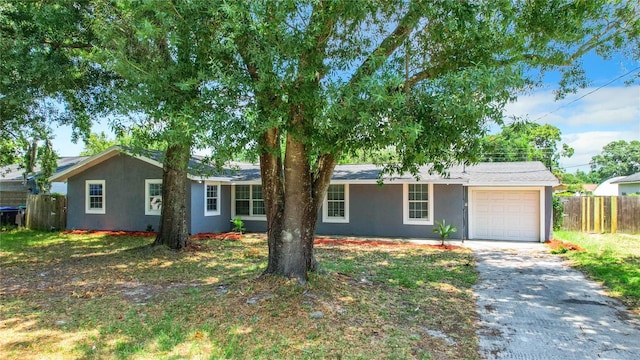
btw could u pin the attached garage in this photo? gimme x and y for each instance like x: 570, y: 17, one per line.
x: 515, y: 214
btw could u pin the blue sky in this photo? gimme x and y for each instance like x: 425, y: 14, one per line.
x: 593, y: 117
x: 607, y: 114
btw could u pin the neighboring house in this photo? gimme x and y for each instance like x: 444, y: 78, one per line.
x: 629, y: 185
x: 590, y: 188
x: 503, y: 201
x: 14, y: 188
x: 586, y: 189
x: 608, y: 187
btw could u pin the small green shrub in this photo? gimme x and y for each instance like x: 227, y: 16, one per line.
x: 238, y: 225
x: 444, y: 230
x: 560, y: 250
x: 558, y: 211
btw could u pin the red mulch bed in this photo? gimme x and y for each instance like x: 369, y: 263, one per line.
x: 112, y: 233
x: 559, y: 245
x: 328, y: 241
x: 201, y: 236
x: 236, y: 236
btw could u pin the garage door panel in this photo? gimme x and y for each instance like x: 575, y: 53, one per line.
x: 505, y: 215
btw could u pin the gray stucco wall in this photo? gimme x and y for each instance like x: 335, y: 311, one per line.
x: 124, y: 178
x: 377, y: 211
x: 255, y: 225
x: 628, y: 189
x: 548, y: 206
x: 212, y: 223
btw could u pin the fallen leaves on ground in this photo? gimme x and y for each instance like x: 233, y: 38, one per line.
x: 111, y: 296
x: 557, y: 245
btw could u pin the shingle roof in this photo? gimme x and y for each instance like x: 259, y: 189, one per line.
x: 483, y: 174
x: 510, y: 173
x: 14, y: 172
x: 628, y: 179
x: 504, y: 173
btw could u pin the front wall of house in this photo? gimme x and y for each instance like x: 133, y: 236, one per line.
x: 124, y: 189
x: 378, y: 211
x: 201, y: 223
x: 548, y: 215
x: 628, y: 189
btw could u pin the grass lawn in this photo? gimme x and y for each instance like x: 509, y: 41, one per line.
x: 97, y: 296
x: 613, y: 259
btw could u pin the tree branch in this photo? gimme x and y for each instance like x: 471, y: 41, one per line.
x: 388, y: 45
x: 322, y: 177
x: 314, y: 55
x: 61, y: 45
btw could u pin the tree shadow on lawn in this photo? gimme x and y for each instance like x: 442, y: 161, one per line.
x: 101, y: 298
x: 621, y: 275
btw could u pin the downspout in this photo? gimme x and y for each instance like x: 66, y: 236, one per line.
x: 465, y: 207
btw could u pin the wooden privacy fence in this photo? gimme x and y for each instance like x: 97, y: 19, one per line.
x: 46, y: 212
x: 601, y: 214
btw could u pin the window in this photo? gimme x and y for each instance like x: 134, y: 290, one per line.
x: 153, y: 196
x: 95, y: 197
x: 418, y: 204
x: 336, y: 204
x: 211, y: 199
x: 248, y: 202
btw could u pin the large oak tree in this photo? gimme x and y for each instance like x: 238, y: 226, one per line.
x: 618, y: 158
x: 325, y: 79
x: 44, y: 82
x: 426, y: 77
x: 174, y: 69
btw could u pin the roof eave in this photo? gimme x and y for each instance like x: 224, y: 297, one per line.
x: 85, y: 164
x: 513, y: 183
x: 209, y: 178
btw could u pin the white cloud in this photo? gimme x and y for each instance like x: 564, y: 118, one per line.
x: 605, y: 106
x: 588, y: 124
x: 589, y: 144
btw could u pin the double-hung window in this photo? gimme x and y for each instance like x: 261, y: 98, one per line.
x: 248, y: 202
x: 336, y: 204
x: 211, y: 199
x: 418, y: 204
x: 153, y: 196
x: 95, y: 197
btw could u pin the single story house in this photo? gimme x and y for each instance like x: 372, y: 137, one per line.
x: 586, y: 189
x: 629, y: 185
x: 117, y: 190
x: 608, y: 187
x: 14, y: 188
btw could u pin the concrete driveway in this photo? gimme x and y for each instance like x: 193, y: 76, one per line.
x: 533, y: 306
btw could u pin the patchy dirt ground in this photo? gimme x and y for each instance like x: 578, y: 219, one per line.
x: 95, y: 295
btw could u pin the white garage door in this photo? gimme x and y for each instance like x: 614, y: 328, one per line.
x: 505, y: 215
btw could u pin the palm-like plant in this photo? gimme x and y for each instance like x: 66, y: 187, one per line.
x: 444, y: 230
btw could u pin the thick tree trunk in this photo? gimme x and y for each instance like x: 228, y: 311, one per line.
x: 173, y: 231
x: 292, y: 207
x: 272, y: 186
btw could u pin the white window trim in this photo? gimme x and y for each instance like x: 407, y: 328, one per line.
x: 325, y: 208
x: 211, y: 212
x: 233, y: 204
x: 89, y: 210
x: 148, y: 182
x: 405, y: 207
